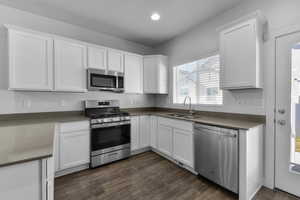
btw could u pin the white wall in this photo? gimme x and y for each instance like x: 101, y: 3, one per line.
x: 203, y: 40
x: 17, y: 102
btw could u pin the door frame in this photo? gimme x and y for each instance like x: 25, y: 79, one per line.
x: 295, y: 28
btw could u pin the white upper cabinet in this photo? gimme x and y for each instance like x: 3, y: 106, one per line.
x: 30, y: 61
x: 241, y: 53
x: 133, y: 64
x: 97, y: 57
x: 155, y: 74
x: 70, y: 65
x: 44, y: 62
x: 115, y: 60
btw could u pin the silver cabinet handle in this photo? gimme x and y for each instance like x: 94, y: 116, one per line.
x: 281, y: 111
x: 281, y: 122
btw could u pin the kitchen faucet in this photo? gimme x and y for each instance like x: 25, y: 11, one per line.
x: 190, y: 104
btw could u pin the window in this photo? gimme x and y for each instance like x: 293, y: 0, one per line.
x: 199, y: 80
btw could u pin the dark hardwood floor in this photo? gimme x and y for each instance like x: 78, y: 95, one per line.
x: 145, y: 177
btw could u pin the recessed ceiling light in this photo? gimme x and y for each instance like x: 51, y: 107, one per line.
x: 155, y: 17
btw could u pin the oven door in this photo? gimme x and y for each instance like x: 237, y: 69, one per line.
x: 98, y: 80
x: 110, y: 138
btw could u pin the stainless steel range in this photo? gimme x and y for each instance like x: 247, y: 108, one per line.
x: 110, y: 132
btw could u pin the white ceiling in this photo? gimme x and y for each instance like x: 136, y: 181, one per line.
x: 129, y: 19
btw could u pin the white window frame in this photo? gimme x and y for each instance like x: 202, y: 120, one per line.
x: 174, y: 89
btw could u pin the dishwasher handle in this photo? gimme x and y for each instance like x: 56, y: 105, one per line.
x: 199, y: 130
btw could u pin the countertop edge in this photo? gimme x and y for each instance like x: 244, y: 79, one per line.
x: 26, y: 160
x: 156, y: 113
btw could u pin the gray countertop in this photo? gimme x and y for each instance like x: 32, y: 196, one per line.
x: 26, y: 137
x: 236, y: 121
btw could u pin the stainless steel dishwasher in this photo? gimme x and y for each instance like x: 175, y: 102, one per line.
x: 216, y: 155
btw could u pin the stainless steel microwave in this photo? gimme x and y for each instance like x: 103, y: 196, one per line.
x: 105, y: 80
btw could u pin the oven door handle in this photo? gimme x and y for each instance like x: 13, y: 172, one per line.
x: 95, y: 126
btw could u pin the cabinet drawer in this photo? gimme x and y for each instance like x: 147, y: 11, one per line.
x: 74, y: 126
x: 174, y: 123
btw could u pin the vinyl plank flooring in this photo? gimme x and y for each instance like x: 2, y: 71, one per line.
x: 145, y: 177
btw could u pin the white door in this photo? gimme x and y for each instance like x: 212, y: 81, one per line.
x: 74, y: 149
x: 30, y: 61
x: 287, y: 164
x: 97, y: 57
x: 115, y: 60
x: 164, y: 140
x: 134, y: 133
x: 183, y: 146
x: 153, y: 132
x: 144, y: 131
x: 133, y: 65
x: 70, y: 66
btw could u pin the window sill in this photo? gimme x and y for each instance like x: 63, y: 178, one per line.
x: 205, y: 105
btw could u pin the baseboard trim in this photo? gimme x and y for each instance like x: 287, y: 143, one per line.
x: 71, y: 170
x: 138, y: 151
x: 174, y: 161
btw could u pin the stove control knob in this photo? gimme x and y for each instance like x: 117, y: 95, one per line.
x: 100, y: 121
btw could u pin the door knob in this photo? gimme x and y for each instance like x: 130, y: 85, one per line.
x: 281, y: 122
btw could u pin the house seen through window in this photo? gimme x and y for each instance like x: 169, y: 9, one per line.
x: 199, y: 80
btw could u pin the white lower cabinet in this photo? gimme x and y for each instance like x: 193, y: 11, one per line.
x: 140, y: 132
x: 135, y: 124
x: 72, y: 145
x: 173, y: 138
x: 153, y: 131
x: 74, y: 149
x: 144, y: 131
x: 30, y: 180
x: 183, y: 146
x: 176, y: 140
x: 165, y: 134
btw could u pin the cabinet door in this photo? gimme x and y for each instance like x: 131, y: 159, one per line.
x: 70, y: 66
x: 47, y: 179
x: 30, y: 61
x: 115, y: 60
x: 74, y: 149
x: 238, y: 56
x: 153, y: 130
x: 134, y: 133
x: 164, y: 140
x: 144, y: 131
x: 133, y: 73
x: 183, y: 147
x: 21, y: 181
x: 150, y: 84
x: 97, y: 57
x: 56, y: 150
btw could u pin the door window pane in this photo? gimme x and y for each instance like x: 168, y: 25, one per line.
x: 295, y: 105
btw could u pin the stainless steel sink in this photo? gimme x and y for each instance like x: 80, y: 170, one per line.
x: 181, y: 115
